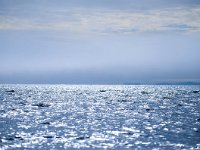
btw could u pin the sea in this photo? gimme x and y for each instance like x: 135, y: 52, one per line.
x: 56, y: 117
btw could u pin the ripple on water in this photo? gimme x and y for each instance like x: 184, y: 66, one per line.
x: 117, y: 117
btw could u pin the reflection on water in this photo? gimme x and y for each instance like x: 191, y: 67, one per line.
x: 91, y: 117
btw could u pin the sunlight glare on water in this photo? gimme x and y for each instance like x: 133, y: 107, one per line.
x: 99, y: 116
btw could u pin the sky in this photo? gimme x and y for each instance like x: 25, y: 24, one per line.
x: 99, y: 41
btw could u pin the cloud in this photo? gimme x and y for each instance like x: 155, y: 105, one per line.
x: 181, y: 27
x: 103, y: 21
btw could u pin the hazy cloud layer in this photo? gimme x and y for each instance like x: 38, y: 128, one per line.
x: 104, y: 20
x: 93, y: 41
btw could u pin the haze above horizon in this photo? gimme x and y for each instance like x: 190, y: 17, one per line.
x: 99, y: 42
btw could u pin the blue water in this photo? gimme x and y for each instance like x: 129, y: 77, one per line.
x: 99, y: 117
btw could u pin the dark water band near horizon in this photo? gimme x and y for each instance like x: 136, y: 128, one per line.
x: 99, y: 117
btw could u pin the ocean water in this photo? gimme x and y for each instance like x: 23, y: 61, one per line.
x: 99, y: 117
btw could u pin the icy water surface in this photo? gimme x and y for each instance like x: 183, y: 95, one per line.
x: 99, y: 117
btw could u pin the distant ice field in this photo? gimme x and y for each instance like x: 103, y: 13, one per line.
x: 99, y: 117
